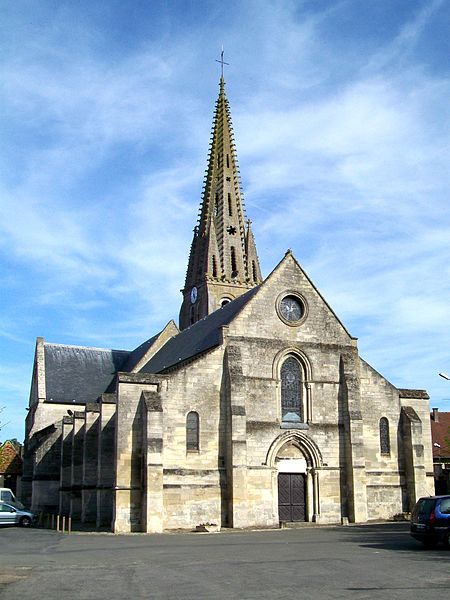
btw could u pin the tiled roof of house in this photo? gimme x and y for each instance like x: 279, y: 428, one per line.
x: 440, y: 434
x: 10, y: 459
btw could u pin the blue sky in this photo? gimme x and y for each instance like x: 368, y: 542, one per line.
x: 342, y: 119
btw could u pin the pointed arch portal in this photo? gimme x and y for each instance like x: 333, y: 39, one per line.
x: 296, y: 461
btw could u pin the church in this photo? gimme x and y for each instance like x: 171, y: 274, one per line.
x: 255, y: 410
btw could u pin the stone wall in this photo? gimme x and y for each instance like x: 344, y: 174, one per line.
x: 194, y: 484
x: 106, y: 460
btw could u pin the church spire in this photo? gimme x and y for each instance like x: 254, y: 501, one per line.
x: 223, y: 262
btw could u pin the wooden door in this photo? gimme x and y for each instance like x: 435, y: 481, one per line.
x: 291, y: 497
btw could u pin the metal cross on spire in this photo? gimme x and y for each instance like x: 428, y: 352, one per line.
x: 221, y: 61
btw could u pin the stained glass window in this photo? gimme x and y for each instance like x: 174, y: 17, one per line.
x: 291, y: 391
x: 385, y: 444
x: 291, y: 308
x: 192, y: 431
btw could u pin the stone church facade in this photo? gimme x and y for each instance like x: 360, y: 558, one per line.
x: 256, y: 410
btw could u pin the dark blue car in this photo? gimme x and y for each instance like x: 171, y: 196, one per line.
x: 430, y: 520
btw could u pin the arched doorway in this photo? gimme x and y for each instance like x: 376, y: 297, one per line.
x: 291, y: 465
x: 296, y: 460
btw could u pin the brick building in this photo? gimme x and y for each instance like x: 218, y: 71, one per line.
x: 257, y: 409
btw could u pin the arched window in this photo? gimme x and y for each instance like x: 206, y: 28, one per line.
x: 385, y: 444
x: 230, y: 208
x: 192, y: 431
x: 291, y: 391
x: 214, y: 266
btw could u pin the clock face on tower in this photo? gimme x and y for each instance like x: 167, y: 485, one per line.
x: 194, y: 295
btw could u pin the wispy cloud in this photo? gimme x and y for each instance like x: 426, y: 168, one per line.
x: 341, y: 140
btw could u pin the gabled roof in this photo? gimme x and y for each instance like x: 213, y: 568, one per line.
x: 79, y: 374
x: 290, y: 254
x: 135, y: 355
x: 143, y: 353
x: 10, y: 459
x: 198, y: 338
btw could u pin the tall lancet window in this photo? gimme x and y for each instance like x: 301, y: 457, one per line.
x: 385, y: 444
x: 291, y: 391
x: 192, y: 431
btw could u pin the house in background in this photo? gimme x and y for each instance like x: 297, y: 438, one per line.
x: 10, y: 464
x: 440, y: 434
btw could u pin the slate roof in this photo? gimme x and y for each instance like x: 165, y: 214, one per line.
x: 440, y: 434
x: 136, y: 355
x: 78, y: 374
x: 198, y: 338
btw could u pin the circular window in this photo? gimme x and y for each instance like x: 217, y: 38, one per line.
x: 291, y: 308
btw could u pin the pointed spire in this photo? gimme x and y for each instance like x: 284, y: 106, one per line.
x: 254, y: 269
x: 223, y: 261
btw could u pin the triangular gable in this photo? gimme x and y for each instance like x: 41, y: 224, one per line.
x: 143, y: 353
x: 277, y: 274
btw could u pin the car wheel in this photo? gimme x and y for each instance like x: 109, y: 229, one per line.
x: 429, y: 543
x: 25, y: 522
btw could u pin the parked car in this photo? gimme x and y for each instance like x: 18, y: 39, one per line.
x: 430, y: 520
x: 13, y: 515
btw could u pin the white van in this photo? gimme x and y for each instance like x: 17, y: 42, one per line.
x: 6, y: 495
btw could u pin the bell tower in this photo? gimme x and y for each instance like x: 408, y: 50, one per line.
x: 223, y: 262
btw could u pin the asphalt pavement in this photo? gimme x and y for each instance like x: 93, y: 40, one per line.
x: 354, y: 562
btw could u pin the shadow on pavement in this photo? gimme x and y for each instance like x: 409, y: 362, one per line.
x: 394, y: 537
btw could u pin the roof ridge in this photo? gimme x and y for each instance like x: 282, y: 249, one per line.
x: 84, y: 347
x: 199, y: 337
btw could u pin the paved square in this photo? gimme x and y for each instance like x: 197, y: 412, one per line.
x: 370, y: 561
